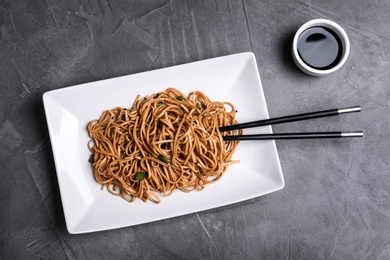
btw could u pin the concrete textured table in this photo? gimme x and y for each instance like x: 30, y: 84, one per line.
x: 336, y: 199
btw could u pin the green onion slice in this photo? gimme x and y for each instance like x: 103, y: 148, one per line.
x: 140, y: 176
x: 162, y: 158
x: 181, y: 98
x: 91, y: 159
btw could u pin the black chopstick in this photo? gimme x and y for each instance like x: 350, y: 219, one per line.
x: 308, y: 135
x: 292, y: 118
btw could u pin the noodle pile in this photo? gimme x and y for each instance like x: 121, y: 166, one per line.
x: 166, y: 141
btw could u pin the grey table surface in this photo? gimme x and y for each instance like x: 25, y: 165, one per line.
x: 336, y: 200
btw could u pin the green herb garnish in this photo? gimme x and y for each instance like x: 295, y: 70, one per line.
x: 140, y: 176
x: 162, y: 158
x: 157, y: 95
x: 197, y: 106
x: 91, y: 159
x: 160, y: 104
x: 181, y: 98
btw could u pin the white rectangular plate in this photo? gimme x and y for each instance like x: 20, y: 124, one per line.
x: 87, y: 208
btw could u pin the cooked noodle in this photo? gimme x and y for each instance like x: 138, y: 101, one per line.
x: 166, y: 141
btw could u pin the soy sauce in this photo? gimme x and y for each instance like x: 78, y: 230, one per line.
x: 320, y: 48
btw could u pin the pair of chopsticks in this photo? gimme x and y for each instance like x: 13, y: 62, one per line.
x: 292, y: 118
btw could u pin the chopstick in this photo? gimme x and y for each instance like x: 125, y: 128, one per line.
x: 292, y: 118
x: 308, y: 135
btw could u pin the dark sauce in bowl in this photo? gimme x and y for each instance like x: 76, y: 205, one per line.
x: 320, y: 48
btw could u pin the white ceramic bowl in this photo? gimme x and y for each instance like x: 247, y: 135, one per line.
x: 331, y: 26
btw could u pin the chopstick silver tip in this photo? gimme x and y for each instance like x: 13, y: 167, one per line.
x: 352, y: 134
x: 350, y: 109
